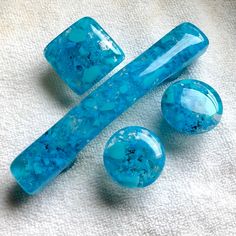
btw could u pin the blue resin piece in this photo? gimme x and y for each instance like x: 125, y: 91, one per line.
x: 55, y: 150
x: 191, y: 106
x: 83, y: 54
x: 134, y: 157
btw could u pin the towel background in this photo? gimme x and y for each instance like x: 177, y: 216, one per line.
x: 195, y: 195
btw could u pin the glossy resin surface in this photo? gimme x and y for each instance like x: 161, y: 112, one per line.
x: 191, y: 106
x: 83, y: 54
x: 55, y: 150
x: 134, y: 157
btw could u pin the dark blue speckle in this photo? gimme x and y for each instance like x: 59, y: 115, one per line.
x: 134, y: 157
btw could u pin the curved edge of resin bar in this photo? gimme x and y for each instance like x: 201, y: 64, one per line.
x: 200, y: 34
x: 46, y: 157
x: 56, y: 149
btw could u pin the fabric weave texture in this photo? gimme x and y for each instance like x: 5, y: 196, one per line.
x: 196, y: 193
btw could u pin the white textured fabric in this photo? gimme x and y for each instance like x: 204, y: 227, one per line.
x: 195, y: 195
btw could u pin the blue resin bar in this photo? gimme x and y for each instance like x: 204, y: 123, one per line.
x: 83, y: 54
x: 57, y: 149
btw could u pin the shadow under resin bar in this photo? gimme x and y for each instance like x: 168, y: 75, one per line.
x: 56, y: 149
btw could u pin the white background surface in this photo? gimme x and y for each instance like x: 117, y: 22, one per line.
x: 195, y: 195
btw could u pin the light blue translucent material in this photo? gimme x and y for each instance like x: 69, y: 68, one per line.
x: 55, y: 150
x: 134, y: 157
x: 83, y: 54
x: 191, y: 106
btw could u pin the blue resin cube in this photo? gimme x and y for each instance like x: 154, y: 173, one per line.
x: 83, y: 54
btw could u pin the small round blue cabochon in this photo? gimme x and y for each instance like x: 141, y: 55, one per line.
x: 191, y: 106
x: 134, y: 157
